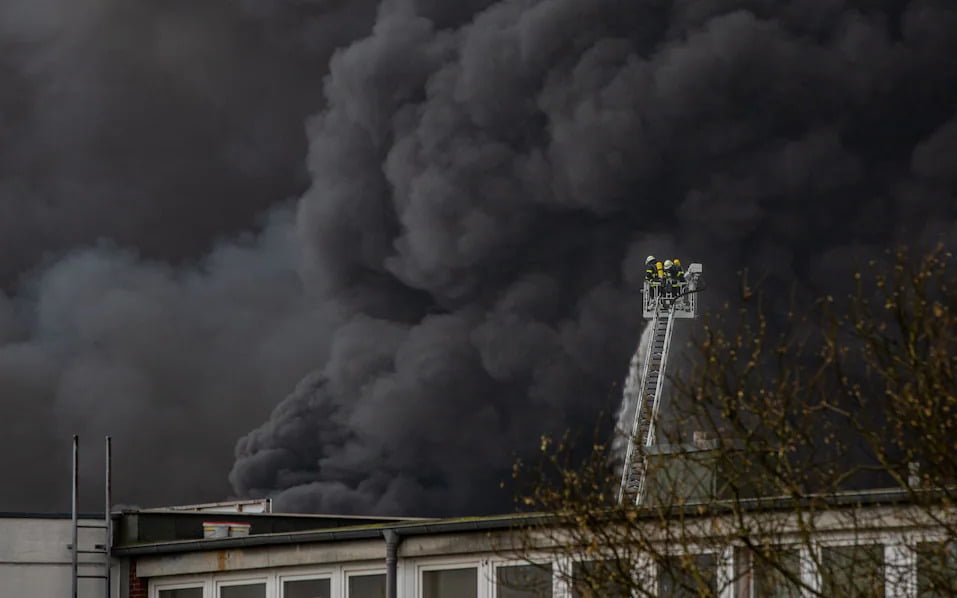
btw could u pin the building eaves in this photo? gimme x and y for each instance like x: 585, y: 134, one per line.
x: 420, y: 527
x: 364, y: 532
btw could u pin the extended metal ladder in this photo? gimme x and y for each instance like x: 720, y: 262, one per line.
x: 661, y: 307
x: 648, y: 389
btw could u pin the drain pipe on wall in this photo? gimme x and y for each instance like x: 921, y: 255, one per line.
x: 391, y: 562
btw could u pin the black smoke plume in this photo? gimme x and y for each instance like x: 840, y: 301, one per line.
x: 136, y: 135
x: 462, y: 273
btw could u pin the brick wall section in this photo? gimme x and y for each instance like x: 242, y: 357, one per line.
x: 138, y: 586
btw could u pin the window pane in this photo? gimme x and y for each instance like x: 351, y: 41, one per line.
x: 691, y: 576
x: 250, y: 590
x: 306, y: 588
x: 524, y: 581
x: 367, y: 586
x: 182, y: 593
x: 853, y: 571
x: 450, y: 583
x: 599, y: 579
x: 777, y: 574
x: 936, y: 569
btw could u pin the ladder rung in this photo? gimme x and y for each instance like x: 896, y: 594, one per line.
x: 100, y: 551
x: 92, y: 525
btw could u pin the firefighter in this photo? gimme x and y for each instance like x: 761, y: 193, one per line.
x: 675, y: 276
x: 651, y: 277
x: 650, y: 272
x: 667, y: 279
x: 666, y: 270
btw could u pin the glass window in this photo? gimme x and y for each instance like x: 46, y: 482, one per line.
x: 450, y: 583
x: 692, y: 576
x: 524, y: 581
x: 853, y: 571
x: 306, y: 588
x: 182, y: 593
x: 367, y: 586
x: 936, y: 569
x: 600, y: 579
x: 248, y: 590
x: 777, y: 574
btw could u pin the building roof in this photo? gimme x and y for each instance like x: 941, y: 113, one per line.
x: 326, y: 528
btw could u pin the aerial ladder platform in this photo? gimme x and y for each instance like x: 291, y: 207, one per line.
x: 662, y: 305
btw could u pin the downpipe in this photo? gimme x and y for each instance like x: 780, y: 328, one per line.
x: 391, y: 562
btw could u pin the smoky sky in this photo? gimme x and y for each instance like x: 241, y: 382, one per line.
x: 158, y: 125
x: 375, y: 309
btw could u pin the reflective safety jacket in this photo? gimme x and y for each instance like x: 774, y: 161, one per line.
x: 675, y: 273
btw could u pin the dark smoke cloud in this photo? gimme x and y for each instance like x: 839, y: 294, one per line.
x: 159, y: 125
x: 512, y: 173
x: 462, y: 273
x: 159, y: 128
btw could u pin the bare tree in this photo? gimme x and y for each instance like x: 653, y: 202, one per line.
x: 811, y: 452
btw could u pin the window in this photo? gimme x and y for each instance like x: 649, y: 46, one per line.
x: 246, y: 590
x: 936, y: 569
x: 777, y: 574
x: 450, y: 583
x: 853, y: 571
x: 182, y: 593
x: 600, y: 579
x: 692, y: 576
x: 523, y: 581
x: 367, y: 586
x: 306, y: 588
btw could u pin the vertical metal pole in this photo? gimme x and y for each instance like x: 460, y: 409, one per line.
x: 75, y: 491
x: 108, y: 523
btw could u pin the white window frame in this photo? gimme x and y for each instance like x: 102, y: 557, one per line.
x: 805, y: 564
x: 244, y: 578
x: 723, y: 565
x: 480, y: 565
x: 329, y: 574
x: 567, y: 585
x: 180, y: 583
x: 358, y: 571
x: 842, y: 540
x: 494, y: 564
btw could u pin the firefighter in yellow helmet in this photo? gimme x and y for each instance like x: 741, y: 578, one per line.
x: 674, y: 276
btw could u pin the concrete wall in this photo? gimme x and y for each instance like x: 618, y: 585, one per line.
x: 35, y: 560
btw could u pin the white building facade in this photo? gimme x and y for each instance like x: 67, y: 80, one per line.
x: 473, y: 559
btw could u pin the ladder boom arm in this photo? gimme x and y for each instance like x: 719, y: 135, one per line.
x: 649, y: 392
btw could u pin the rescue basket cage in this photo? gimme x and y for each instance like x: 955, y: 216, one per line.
x: 682, y: 295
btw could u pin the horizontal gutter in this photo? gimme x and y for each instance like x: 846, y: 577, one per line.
x: 423, y: 528
x: 333, y: 535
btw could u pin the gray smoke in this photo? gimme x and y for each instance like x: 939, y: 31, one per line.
x: 136, y: 139
x: 462, y: 273
x: 159, y: 125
